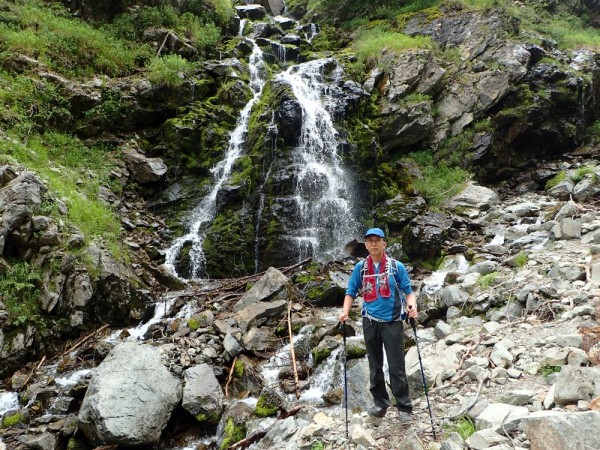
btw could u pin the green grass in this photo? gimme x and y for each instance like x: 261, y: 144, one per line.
x: 74, y: 173
x: 65, y: 44
x: 521, y: 259
x: 371, y: 44
x: 439, y: 180
x: 26, y: 103
x: 547, y: 370
x: 464, y: 426
x: 579, y: 173
x: 198, y: 27
x: 169, y: 70
x: 485, y: 281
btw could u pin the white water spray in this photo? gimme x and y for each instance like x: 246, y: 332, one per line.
x: 324, y: 193
x: 205, y: 212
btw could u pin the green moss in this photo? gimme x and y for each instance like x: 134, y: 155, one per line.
x: 556, y: 179
x: 547, y: 370
x: 196, y: 140
x: 77, y: 444
x: 228, y: 247
x: 485, y: 281
x: 232, y: 433
x: 239, y: 369
x: 581, y: 172
x: 355, y: 351
x: 316, y: 291
x: 193, y: 324
x: 521, y: 259
x: 320, y: 354
x: 264, y: 408
x: 12, y: 420
x: 212, y: 418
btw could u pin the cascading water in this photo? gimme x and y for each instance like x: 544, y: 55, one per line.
x: 324, y: 194
x: 205, y: 212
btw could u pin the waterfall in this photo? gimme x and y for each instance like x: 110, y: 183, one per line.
x: 9, y: 401
x: 205, y: 212
x: 324, y: 193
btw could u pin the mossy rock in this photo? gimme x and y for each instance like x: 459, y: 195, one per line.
x: 212, y: 418
x: 232, y: 433
x: 76, y: 443
x: 13, y: 419
x: 238, y: 369
x: 267, y: 404
x: 356, y: 350
x: 196, y: 141
x: 229, y: 245
x: 320, y: 354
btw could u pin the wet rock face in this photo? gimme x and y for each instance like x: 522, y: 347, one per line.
x: 424, y: 237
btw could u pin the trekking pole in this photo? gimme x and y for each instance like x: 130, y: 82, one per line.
x: 342, y: 326
x: 414, y: 327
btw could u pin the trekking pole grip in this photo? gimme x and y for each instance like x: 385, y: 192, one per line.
x: 413, y: 324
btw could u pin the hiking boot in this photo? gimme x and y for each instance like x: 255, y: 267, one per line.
x: 377, y: 411
x: 404, y: 416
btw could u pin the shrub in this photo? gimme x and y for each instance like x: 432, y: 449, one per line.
x: 439, y: 181
x: 18, y: 285
x: 169, y: 70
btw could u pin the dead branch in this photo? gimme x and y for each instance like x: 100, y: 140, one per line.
x: 471, y: 404
x: 163, y: 43
x: 283, y: 413
x: 24, y: 383
x: 292, y: 353
x: 84, y: 339
x: 230, y: 377
x: 259, y: 434
x: 251, y: 439
x: 233, y: 284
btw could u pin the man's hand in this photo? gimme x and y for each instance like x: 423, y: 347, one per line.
x: 412, y: 311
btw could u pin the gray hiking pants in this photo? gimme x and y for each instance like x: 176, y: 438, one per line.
x: 389, y: 335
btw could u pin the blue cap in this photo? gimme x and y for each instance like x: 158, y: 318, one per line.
x: 375, y: 232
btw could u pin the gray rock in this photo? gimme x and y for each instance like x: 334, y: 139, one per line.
x: 202, y: 393
x: 130, y: 398
x: 577, y: 383
x: 553, y: 430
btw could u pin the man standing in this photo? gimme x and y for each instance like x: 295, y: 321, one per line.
x: 381, y: 279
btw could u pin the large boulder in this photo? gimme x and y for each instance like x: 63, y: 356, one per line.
x: 202, y: 394
x: 130, y: 398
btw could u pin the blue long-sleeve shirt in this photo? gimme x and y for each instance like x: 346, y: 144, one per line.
x: 382, y: 308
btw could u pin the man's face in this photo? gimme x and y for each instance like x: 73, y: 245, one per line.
x: 375, y: 245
